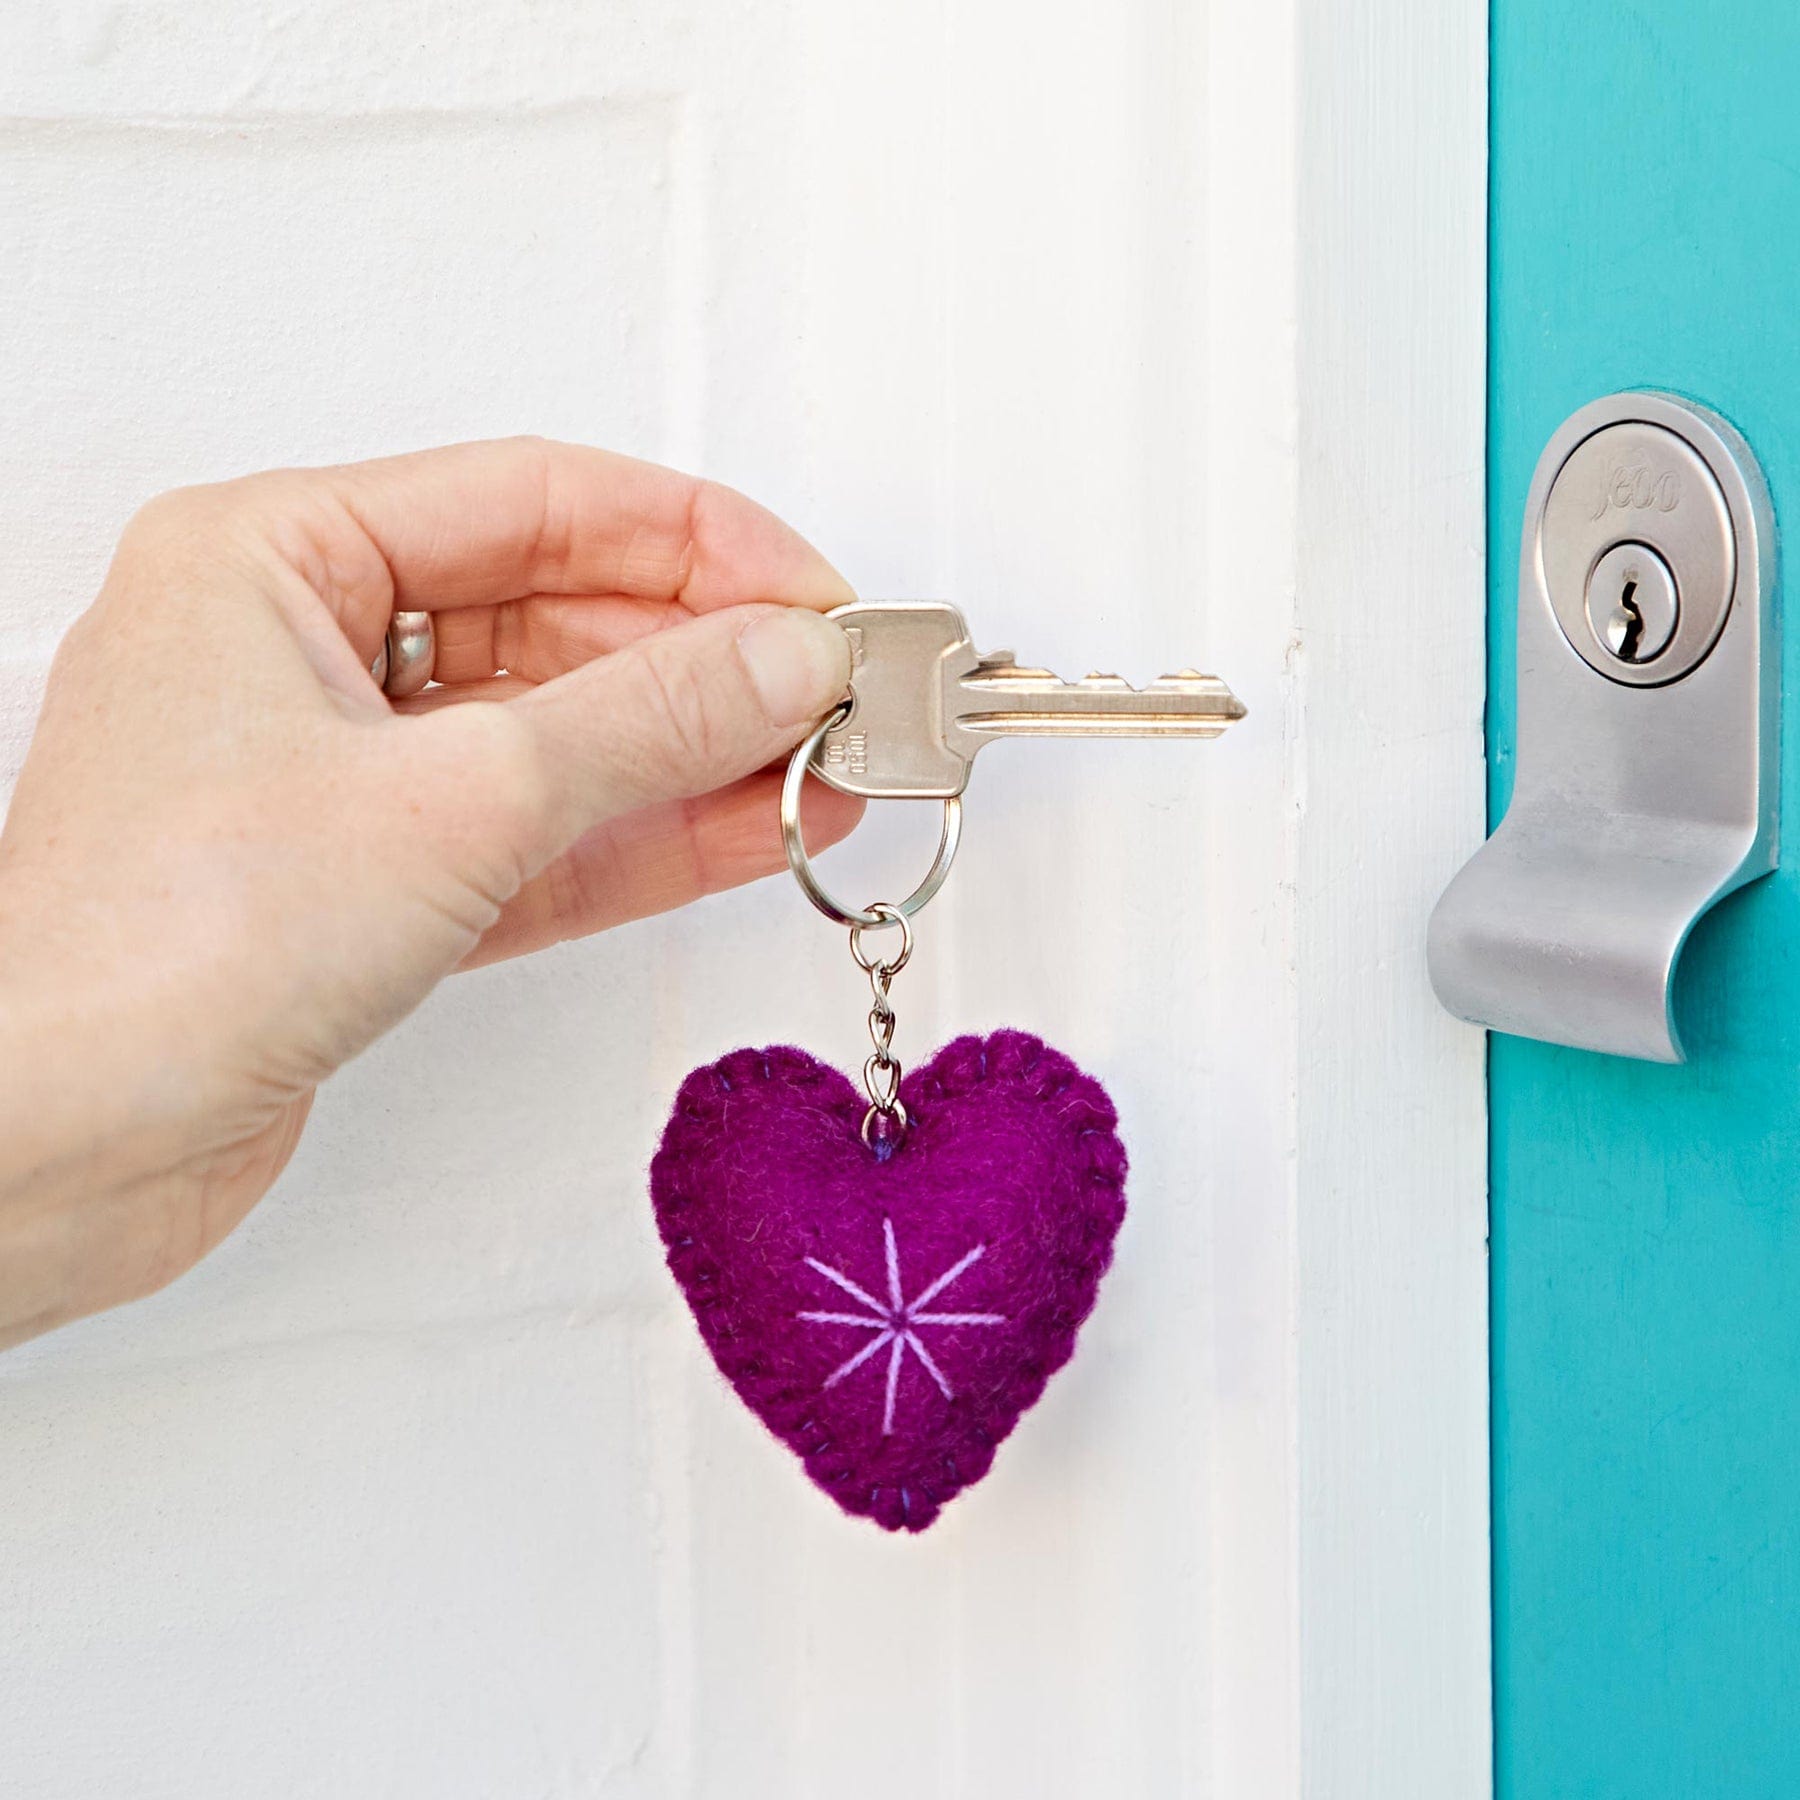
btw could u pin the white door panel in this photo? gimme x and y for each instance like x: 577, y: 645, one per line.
x: 1148, y: 335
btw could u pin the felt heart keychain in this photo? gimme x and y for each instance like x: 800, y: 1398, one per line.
x: 888, y: 1286
x: 889, y: 1318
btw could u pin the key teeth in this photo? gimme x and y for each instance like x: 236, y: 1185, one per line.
x: 1029, y: 701
x: 1183, y: 681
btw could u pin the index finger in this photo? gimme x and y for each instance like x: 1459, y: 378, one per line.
x: 480, y: 523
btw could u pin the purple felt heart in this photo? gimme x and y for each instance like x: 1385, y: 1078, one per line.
x: 889, y: 1318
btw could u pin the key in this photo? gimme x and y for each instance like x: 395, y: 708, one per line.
x: 924, y: 702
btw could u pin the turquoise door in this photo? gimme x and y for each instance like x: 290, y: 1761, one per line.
x: 1646, y: 1220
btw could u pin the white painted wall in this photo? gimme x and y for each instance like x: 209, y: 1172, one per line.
x: 1149, y: 334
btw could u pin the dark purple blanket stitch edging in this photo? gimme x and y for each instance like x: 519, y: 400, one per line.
x: 1051, y: 1197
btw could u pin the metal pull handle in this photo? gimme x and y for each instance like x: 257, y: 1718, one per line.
x: 1648, y: 711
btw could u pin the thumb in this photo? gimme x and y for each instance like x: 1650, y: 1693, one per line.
x: 676, y: 714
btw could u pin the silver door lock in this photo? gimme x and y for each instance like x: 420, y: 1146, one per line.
x: 1648, y: 710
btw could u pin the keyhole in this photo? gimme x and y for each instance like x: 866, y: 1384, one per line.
x: 1632, y: 606
x: 1627, y: 627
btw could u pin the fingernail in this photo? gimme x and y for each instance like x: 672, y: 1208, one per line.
x: 799, y: 663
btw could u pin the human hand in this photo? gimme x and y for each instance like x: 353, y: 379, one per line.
x: 230, y: 863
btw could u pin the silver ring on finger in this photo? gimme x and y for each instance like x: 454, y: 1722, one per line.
x: 408, y: 656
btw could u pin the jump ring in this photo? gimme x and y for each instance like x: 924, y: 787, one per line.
x: 408, y: 655
x: 882, y: 969
x: 897, y: 1116
x: 801, y: 864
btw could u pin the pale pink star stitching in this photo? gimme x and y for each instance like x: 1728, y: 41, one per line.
x: 895, y: 1321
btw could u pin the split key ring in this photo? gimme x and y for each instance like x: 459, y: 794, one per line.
x: 801, y: 864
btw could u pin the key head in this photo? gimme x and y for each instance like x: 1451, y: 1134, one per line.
x: 892, y: 746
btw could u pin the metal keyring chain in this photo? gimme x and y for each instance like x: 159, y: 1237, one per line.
x: 882, y: 1071
x: 801, y: 864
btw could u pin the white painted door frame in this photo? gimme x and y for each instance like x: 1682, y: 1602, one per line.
x: 1390, y: 640
x: 1344, y: 273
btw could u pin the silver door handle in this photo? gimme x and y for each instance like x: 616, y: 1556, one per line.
x: 1648, y: 713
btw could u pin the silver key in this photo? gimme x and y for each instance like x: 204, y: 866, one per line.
x: 923, y: 703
